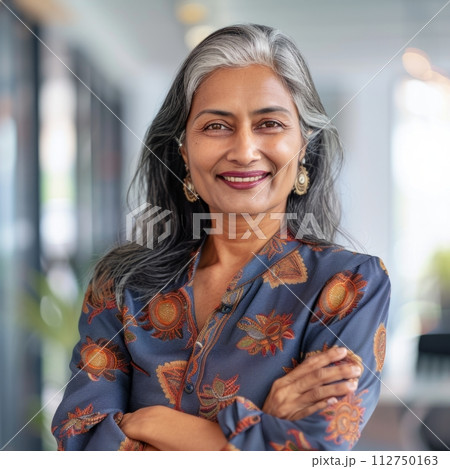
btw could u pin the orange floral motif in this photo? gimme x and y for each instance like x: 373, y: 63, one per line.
x: 245, y: 423
x: 127, y: 320
x: 289, y: 270
x: 217, y: 396
x: 300, y: 443
x: 266, y: 333
x: 383, y: 267
x: 101, y: 358
x: 131, y: 445
x: 248, y: 404
x: 170, y: 377
x: 288, y: 369
x: 304, y: 356
x: 379, y: 346
x: 166, y: 314
x: 345, y: 418
x: 340, y: 296
x: 273, y: 247
x: 80, y: 421
x: 99, y: 300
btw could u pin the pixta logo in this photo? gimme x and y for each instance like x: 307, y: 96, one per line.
x: 308, y: 225
x: 141, y: 225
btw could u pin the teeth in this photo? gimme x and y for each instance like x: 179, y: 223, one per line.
x: 238, y: 179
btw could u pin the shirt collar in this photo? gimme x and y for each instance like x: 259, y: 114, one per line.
x: 277, y: 247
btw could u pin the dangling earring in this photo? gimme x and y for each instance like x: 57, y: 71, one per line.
x: 188, y: 187
x: 302, y: 180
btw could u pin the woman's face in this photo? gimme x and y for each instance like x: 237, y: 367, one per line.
x: 243, y: 141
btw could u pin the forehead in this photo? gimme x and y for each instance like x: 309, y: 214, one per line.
x: 254, y: 85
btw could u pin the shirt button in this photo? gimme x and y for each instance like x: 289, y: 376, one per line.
x: 226, y: 308
x: 188, y: 388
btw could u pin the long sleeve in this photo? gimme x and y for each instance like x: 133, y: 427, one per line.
x: 97, y: 394
x: 351, y: 311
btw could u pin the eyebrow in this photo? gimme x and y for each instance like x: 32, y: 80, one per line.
x: 264, y: 110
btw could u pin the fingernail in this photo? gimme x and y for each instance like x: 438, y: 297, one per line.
x: 352, y: 384
x: 331, y: 401
x: 356, y: 369
x: 341, y: 350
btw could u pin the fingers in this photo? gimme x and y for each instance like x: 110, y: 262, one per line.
x: 317, y: 361
x: 329, y: 375
x: 314, y: 400
x: 320, y: 398
x: 307, y: 411
x: 317, y: 372
x: 309, y: 386
x: 326, y: 392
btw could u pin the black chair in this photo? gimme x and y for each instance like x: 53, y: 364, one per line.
x: 433, y: 364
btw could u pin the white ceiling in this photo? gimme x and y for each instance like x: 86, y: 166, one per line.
x: 339, y: 37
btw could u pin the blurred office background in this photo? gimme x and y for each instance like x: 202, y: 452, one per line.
x: 79, y: 83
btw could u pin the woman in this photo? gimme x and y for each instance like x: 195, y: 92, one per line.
x: 262, y: 334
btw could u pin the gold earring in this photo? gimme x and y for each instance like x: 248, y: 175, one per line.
x: 302, y: 180
x: 188, y: 187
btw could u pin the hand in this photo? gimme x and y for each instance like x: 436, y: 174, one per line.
x: 170, y: 430
x: 135, y: 424
x: 312, y: 385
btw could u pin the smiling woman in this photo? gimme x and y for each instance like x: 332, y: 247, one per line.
x: 260, y: 334
x: 240, y: 138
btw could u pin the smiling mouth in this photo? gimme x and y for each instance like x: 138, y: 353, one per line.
x: 246, y: 181
x: 243, y: 179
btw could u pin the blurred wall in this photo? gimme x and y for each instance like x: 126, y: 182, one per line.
x: 75, y: 105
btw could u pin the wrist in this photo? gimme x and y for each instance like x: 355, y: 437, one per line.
x: 142, y: 424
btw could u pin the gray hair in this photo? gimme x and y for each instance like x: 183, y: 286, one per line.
x: 235, y: 46
x: 253, y: 44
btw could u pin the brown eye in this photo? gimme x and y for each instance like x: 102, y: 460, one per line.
x: 270, y: 124
x: 215, y: 126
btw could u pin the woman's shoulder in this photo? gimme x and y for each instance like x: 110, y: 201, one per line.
x: 330, y: 259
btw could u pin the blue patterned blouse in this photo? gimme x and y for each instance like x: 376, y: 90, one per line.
x: 293, y: 299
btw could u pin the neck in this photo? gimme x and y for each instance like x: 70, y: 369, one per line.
x: 234, y: 239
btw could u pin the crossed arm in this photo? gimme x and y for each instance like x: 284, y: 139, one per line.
x: 308, y: 388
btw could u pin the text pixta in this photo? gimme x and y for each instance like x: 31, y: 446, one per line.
x: 333, y: 461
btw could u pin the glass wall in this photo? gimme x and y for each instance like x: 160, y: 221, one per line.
x: 19, y: 231
x: 60, y: 187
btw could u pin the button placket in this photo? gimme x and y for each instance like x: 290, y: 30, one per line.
x: 188, y: 388
x: 225, y: 308
x: 196, y: 353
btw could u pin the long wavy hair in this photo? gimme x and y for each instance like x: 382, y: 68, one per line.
x: 161, y: 169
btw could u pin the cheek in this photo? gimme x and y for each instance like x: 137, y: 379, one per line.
x: 199, y: 156
x: 286, y: 157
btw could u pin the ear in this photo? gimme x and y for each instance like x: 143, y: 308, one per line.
x: 183, y: 153
x: 302, y: 152
x: 305, y: 145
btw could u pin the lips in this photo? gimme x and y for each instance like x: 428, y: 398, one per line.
x: 243, y: 180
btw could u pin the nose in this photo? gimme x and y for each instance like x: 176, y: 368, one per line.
x: 244, y: 150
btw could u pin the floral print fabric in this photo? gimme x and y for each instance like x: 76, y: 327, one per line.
x: 292, y: 300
